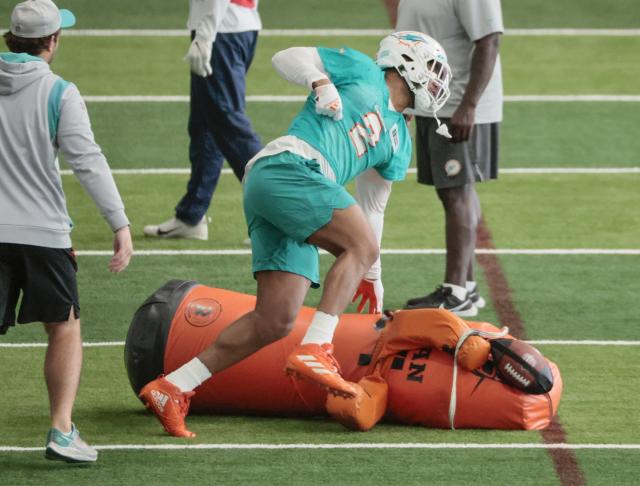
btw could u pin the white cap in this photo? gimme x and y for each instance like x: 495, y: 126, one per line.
x: 33, y: 19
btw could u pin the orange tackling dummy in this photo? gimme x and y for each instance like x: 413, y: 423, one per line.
x: 403, y: 364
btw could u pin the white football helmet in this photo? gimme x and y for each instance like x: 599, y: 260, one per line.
x: 422, y: 63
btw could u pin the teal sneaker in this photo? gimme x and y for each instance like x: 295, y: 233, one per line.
x: 69, y: 447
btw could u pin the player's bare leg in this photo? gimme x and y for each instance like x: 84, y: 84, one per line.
x: 62, y: 367
x: 460, y: 231
x: 474, y: 201
x: 471, y: 285
x: 349, y: 237
x: 279, y: 298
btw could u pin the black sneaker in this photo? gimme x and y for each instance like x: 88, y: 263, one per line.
x: 443, y: 298
x: 476, y: 298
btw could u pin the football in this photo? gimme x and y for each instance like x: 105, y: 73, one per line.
x: 521, y: 366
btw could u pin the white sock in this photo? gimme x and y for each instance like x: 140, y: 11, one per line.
x: 456, y: 290
x: 321, y: 329
x: 470, y: 285
x: 190, y: 375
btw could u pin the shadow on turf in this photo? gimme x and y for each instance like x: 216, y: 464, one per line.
x: 28, y: 463
x: 108, y: 424
x: 134, y: 425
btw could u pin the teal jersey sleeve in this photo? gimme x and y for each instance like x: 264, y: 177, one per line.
x: 370, y: 135
x: 348, y: 66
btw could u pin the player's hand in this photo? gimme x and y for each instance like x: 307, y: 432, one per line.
x: 328, y: 101
x: 199, y: 57
x: 370, y: 291
x: 462, y: 122
x: 122, y: 250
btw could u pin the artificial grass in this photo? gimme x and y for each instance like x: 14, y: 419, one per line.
x: 597, y: 407
x: 574, y: 297
x: 154, y: 135
x: 599, y: 402
x: 522, y: 211
x: 559, y: 297
x: 617, y: 467
x: 551, y: 135
x: 601, y: 467
x: 565, y: 65
x: 553, y: 303
x: 527, y: 211
x: 108, y: 412
x: 308, y: 467
x: 359, y: 14
x: 570, y: 14
x: 168, y: 14
x: 572, y: 211
x: 531, y: 65
x: 108, y: 302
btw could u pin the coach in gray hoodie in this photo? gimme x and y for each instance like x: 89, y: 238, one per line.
x: 41, y: 114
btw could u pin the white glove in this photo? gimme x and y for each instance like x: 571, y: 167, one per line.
x: 199, y: 57
x: 328, y: 101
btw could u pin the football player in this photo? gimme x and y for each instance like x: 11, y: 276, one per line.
x: 352, y: 126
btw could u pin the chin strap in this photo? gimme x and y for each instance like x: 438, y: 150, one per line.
x: 442, y: 128
x: 470, y: 332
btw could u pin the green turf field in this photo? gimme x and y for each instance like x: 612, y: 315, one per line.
x: 560, y: 297
x: 152, y: 135
x: 359, y: 14
x: 532, y: 65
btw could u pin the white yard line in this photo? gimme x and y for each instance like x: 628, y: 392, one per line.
x: 138, y: 99
x: 573, y: 98
x: 301, y: 98
x: 521, y: 170
x: 586, y: 342
x: 168, y: 171
x: 372, y: 445
x: 386, y: 251
x: 537, y: 342
x: 86, y: 344
x: 573, y: 32
x: 342, y: 32
x: 567, y: 170
x: 517, y: 251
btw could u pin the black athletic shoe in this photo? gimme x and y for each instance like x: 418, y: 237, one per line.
x: 443, y: 298
x: 476, y: 298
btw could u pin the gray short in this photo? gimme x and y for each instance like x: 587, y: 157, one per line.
x: 443, y: 164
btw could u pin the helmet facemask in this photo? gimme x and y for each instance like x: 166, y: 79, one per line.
x: 431, y: 93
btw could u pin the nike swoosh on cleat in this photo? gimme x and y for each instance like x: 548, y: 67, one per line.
x: 166, y: 233
x: 461, y: 307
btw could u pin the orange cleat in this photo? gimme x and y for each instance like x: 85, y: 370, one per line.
x: 169, y: 404
x: 316, y: 363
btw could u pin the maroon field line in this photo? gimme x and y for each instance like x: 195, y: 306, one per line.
x: 564, y: 461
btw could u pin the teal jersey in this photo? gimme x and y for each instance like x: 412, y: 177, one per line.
x: 370, y: 135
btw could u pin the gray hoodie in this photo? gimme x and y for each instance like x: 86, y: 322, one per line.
x: 40, y: 113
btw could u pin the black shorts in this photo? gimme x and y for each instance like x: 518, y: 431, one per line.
x: 46, y: 277
x: 444, y: 164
